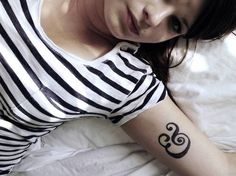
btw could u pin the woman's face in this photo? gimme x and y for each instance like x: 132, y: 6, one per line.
x: 150, y: 21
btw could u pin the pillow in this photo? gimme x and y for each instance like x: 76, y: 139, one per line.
x: 204, y: 87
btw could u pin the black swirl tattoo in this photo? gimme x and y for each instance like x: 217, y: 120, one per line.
x: 176, y: 144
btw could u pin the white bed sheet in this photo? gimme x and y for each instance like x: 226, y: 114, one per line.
x: 89, y: 147
x: 204, y: 86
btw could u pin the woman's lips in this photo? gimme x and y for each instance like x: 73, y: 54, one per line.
x: 132, y: 24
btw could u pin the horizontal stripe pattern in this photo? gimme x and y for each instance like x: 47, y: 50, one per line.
x: 42, y: 87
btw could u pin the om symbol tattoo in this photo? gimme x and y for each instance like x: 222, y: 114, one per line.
x: 176, y: 144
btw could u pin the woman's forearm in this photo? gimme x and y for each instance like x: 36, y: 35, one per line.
x: 231, y: 158
x: 169, y: 135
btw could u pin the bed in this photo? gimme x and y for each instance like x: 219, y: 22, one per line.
x: 203, y: 86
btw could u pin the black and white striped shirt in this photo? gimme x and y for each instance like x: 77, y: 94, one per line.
x: 43, y: 86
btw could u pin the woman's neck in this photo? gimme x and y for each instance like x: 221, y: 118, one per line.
x: 73, y: 24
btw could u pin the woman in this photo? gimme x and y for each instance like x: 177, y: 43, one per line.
x: 62, y: 60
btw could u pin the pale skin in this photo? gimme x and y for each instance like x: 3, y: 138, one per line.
x: 90, y: 28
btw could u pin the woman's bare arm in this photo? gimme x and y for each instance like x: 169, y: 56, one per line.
x: 168, y: 134
x: 232, y: 163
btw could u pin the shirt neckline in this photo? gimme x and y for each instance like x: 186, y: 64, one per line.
x: 121, y: 46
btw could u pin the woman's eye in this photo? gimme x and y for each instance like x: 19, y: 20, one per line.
x: 176, y: 25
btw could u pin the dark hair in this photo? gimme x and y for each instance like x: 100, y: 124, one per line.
x: 217, y: 19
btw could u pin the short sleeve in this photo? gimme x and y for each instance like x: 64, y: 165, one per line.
x: 148, y: 92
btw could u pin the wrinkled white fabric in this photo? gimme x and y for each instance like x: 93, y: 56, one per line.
x: 89, y: 147
x: 204, y: 86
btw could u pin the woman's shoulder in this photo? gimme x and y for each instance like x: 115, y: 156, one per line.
x: 126, y: 53
x: 18, y: 9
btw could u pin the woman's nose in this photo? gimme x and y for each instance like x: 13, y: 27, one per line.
x: 155, y: 14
